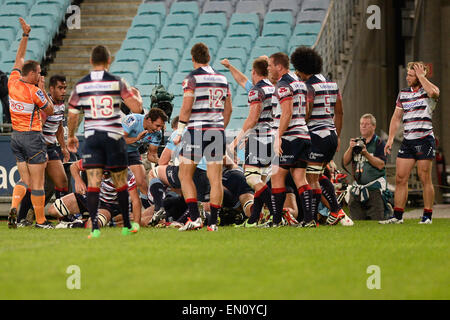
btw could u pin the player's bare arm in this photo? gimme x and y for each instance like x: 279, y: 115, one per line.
x: 430, y: 88
x: 48, y: 109
x: 20, y: 55
x: 285, y: 119
x: 249, y: 123
x: 134, y: 102
x: 228, y: 109
x: 393, y: 127
x: 185, y: 114
x: 240, y: 78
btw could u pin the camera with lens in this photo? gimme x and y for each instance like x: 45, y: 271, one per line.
x: 360, y: 144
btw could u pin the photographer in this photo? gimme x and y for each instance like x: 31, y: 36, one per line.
x: 366, y: 153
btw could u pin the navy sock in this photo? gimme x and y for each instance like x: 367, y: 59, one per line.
x: 145, y: 203
x: 301, y: 215
x: 427, y: 213
x: 193, y: 208
x: 263, y: 196
x: 124, y: 204
x: 25, y: 205
x: 214, y: 213
x: 317, y: 195
x: 398, y: 213
x: 279, y: 196
x: 329, y: 193
x: 156, y: 189
x: 92, y: 205
x: 59, y: 193
x: 305, y: 194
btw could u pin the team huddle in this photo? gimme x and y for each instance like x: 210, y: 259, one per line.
x: 289, y: 138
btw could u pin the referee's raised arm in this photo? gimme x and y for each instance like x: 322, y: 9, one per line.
x: 20, y: 56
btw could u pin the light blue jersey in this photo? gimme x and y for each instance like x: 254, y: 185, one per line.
x: 248, y: 86
x: 133, y: 124
x: 177, y: 148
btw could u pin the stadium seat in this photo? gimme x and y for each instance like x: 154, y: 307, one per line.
x: 171, y: 43
x: 6, y: 67
x: 131, y: 55
x: 218, y: 6
x: 312, y: 5
x: 209, y: 31
x: 279, y: 17
x: 137, y: 44
x: 257, y: 52
x: 222, y: 69
x: 126, y: 66
x: 240, y: 101
x: 185, y: 67
x: 164, y: 55
x: 208, y: 19
x: 39, y: 34
x: 177, y: 101
x: 128, y: 76
x: 284, y: 5
x: 185, y: 7
x: 149, y: 32
x: 178, y: 32
x: 10, y: 22
x: 240, y: 113
x: 14, y: 9
x: 175, y: 20
x: 176, y: 89
x: 246, y: 31
x: 35, y: 50
x: 152, y: 8
x: 272, y: 41
x: 211, y: 42
x: 166, y: 66
x: 61, y: 4
x: 145, y: 21
x: 237, y: 42
x: 145, y: 89
x: 28, y: 3
x: 47, y: 10
x: 310, y: 16
x: 233, y: 54
x: 276, y: 30
x: 245, y: 18
x: 178, y: 77
x: 153, y: 78
x: 251, y: 6
x: 297, y: 41
x: 235, y: 124
x: 240, y: 92
x: 42, y: 21
x: 7, y: 36
x: 303, y: 29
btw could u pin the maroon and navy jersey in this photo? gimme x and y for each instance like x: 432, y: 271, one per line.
x: 417, y: 112
x: 324, y: 94
x: 290, y: 87
x: 262, y: 92
x: 52, y: 123
x: 99, y: 95
x: 108, y: 193
x: 210, y: 92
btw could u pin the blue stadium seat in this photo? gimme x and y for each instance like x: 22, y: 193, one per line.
x: 285, y: 5
x: 152, y: 9
x: 297, y: 41
x: 241, y: 92
x: 164, y: 55
x: 137, y: 44
x: 28, y: 3
x: 208, y: 19
x: 167, y: 67
x: 61, y: 4
x: 233, y: 54
x: 237, y: 42
x: 11, y: 22
x: 42, y: 21
x: 218, y: 6
x: 185, y: 66
x: 240, y: 101
x: 15, y: 9
x: 131, y: 55
x: 180, y: 20
x: 221, y: 68
x: 47, y: 10
x: 128, y: 76
x: 39, y: 34
x: 145, y: 21
x: 126, y: 66
x: 209, y: 31
x: 211, y: 42
x: 245, y: 18
x: 179, y: 32
x: 185, y: 7
x: 272, y: 41
x: 276, y: 30
x: 257, y: 52
x: 303, y: 29
x: 145, y: 89
x: 235, y: 124
x: 7, y: 36
x: 35, y: 50
x: 313, y: 5
x: 251, y: 6
x: 153, y: 78
x: 240, y: 113
x: 170, y: 43
x: 177, y: 101
x: 279, y: 17
x: 149, y: 32
x: 9, y: 57
x: 310, y: 16
x: 6, y: 67
x: 178, y: 77
x: 176, y: 89
x: 246, y: 31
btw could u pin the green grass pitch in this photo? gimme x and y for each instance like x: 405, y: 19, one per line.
x: 284, y: 263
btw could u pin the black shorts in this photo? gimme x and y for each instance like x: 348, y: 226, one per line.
x: 174, y: 205
x: 323, y: 149
x: 259, y: 151
x: 295, y: 153
x: 82, y: 202
x: 203, y: 143
x: 200, y: 180
x: 113, y: 209
x: 418, y: 149
x: 54, y: 152
x: 103, y: 150
x: 234, y: 181
x: 134, y: 158
x: 29, y: 146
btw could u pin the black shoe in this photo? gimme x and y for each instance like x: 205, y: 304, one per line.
x: 12, y: 218
x: 310, y: 224
x: 24, y: 223
x: 45, y: 225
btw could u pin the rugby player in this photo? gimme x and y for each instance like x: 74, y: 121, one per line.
x: 205, y: 112
x: 257, y: 129
x: 99, y: 95
x: 324, y: 124
x: 142, y: 130
x: 415, y: 106
x: 27, y: 98
x: 292, y: 142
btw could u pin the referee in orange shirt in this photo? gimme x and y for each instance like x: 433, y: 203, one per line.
x: 27, y: 99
